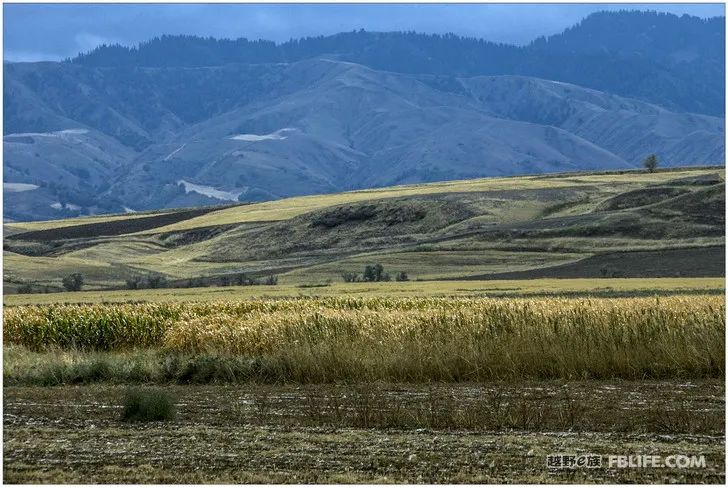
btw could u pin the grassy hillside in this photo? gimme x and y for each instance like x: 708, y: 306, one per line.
x: 577, y: 225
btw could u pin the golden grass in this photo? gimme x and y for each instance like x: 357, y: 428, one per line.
x: 407, y: 339
x: 50, y: 270
x: 435, y: 264
x: 81, y: 220
x: 290, y: 207
x: 401, y: 289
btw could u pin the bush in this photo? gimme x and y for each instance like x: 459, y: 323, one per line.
x: 147, y: 405
x: 370, y: 274
x: 350, y: 277
x: 25, y: 289
x: 245, y: 280
x: 156, y: 282
x: 375, y: 273
x: 401, y: 276
x: 73, y: 282
x: 134, y: 283
x: 271, y: 281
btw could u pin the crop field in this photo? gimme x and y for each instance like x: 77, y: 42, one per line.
x: 401, y: 339
x: 611, y: 287
x: 379, y: 433
x: 434, y: 389
x: 537, y: 315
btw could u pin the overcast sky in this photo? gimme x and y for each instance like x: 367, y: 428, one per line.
x: 34, y: 32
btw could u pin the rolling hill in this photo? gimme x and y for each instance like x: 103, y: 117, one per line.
x: 592, y: 225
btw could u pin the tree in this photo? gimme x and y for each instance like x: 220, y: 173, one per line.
x: 370, y: 274
x: 401, y: 276
x: 156, y: 282
x: 134, y: 283
x: 350, y: 276
x: 650, y: 163
x: 25, y: 289
x: 73, y: 282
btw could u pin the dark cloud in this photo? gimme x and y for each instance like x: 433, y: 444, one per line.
x: 35, y: 32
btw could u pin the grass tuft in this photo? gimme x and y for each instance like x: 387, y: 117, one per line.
x: 147, y: 405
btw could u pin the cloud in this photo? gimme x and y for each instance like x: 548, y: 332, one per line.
x: 14, y: 56
x: 86, y: 41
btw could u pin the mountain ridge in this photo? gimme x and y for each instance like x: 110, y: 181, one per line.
x: 648, y: 55
x: 325, y: 125
x: 164, y: 137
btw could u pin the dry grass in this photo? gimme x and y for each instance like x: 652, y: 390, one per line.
x: 495, y: 288
x: 290, y: 207
x: 402, y: 339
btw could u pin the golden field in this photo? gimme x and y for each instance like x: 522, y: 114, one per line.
x: 414, y: 289
x: 405, y: 339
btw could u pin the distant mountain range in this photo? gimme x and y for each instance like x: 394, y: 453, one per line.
x: 675, y: 62
x: 185, y: 121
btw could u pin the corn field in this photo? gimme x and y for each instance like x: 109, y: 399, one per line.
x: 409, y: 339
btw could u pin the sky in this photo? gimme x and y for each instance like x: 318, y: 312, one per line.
x: 50, y: 32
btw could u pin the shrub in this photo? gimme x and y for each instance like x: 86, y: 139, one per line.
x: 25, y: 289
x: 271, y: 281
x: 155, y: 282
x: 147, y: 405
x: 375, y: 273
x: 350, y: 276
x: 245, y: 280
x: 134, y: 283
x: 73, y: 282
x: 401, y: 276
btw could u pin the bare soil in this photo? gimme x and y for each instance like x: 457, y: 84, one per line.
x: 298, y: 434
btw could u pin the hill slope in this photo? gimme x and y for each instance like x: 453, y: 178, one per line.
x: 185, y: 121
x: 324, y: 126
x: 571, y: 225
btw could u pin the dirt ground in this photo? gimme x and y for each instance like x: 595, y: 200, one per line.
x: 389, y: 433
